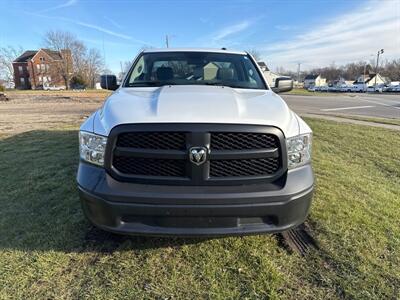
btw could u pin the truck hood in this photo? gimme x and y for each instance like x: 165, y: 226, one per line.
x: 194, y: 104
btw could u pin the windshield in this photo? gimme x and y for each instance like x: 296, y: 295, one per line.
x: 199, y: 68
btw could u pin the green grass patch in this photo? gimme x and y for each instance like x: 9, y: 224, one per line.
x: 369, y: 119
x: 48, y: 250
x: 304, y: 92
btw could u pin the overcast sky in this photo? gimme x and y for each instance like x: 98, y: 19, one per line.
x: 314, y: 33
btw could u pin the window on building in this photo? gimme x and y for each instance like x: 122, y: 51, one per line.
x: 48, y: 79
x: 40, y: 79
x: 38, y: 67
x: 20, y: 70
x: 43, y: 67
x: 41, y: 58
x: 22, y: 80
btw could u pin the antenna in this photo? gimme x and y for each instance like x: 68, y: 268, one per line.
x: 104, y: 54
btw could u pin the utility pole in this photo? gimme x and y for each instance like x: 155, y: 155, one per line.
x: 298, y: 73
x: 377, y: 63
x: 104, y: 53
x: 365, y: 67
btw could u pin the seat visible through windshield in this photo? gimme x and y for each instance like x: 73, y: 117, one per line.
x: 194, y: 68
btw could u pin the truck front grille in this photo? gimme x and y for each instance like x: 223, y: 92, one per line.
x: 242, y: 141
x: 152, y: 140
x: 149, y: 166
x: 159, y: 154
x: 244, y: 167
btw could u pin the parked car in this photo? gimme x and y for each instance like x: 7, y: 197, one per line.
x: 345, y: 88
x: 195, y: 142
x: 392, y: 88
x: 323, y: 88
x: 358, y: 88
x: 53, y: 88
x: 375, y: 89
x: 333, y: 89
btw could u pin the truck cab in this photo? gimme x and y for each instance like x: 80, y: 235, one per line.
x: 194, y: 142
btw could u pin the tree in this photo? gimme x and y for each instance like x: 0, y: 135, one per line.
x: 125, y: 66
x: 60, y: 41
x: 93, y: 64
x: 391, y: 69
x: 255, y: 53
x: 87, y: 63
x: 7, y: 56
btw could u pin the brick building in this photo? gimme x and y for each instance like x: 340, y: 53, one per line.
x: 41, y: 68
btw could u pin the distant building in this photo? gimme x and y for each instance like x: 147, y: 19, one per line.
x: 314, y: 80
x: 342, y: 81
x: 262, y: 66
x: 370, y: 79
x: 269, y: 75
x: 35, y: 69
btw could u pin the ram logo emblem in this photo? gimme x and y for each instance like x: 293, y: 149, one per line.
x: 198, y: 155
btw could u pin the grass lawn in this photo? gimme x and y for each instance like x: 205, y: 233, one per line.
x: 370, y: 119
x: 304, y: 92
x: 48, y: 250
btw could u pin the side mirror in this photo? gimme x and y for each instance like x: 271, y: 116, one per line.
x: 108, y: 82
x: 283, y: 84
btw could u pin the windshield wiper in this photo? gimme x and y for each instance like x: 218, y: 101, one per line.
x: 151, y: 83
x: 212, y: 83
x: 221, y: 83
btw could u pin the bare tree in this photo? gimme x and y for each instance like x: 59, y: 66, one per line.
x: 87, y: 63
x: 93, y: 64
x: 67, y: 44
x: 7, y: 56
x: 125, y: 66
x: 391, y: 69
x: 255, y: 53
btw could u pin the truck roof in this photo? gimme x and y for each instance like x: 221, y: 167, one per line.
x: 213, y: 50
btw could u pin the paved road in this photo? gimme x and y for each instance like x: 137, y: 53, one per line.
x: 371, y: 105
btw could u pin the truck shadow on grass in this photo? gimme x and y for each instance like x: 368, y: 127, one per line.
x: 40, y: 208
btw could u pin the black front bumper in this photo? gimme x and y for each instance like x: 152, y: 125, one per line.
x: 140, y: 209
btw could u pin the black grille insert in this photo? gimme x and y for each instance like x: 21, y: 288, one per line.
x: 159, y: 154
x: 244, y: 167
x: 242, y: 141
x: 149, y: 166
x: 152, y: 140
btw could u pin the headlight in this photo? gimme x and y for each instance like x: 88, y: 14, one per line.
x: 92, y: 147
x: 299, y: 150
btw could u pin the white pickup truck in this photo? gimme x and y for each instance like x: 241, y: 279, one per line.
x: 194, y: 142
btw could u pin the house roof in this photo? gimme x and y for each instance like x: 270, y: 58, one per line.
x: 263, y: 65
x: 24, y: 57
x: 311, y: 76
x: 368, y: 78
x: 29, y: 54
x: 53, y: 54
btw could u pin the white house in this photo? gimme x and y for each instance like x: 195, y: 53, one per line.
x: 370, y: 79
x: 269, y: 75
x: 314, y: 80
x: 341, y: 81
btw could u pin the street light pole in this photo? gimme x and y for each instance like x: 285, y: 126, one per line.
x: 377, y: 62
x: 298, y: 73
x: 365, y: 67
